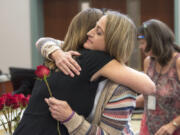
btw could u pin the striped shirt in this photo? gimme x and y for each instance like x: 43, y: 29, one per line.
x: 115, y: 116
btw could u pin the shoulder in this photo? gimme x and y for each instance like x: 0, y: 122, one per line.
x: 92, y: 61
x: 178, y: 62
x: 147, y: 61
x: 121, y: 93
x: 93, y: 53
x: 92, y: 56
x: 178, y: 66
x: 122, y: 97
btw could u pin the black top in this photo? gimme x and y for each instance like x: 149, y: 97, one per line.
x: 79, y: 92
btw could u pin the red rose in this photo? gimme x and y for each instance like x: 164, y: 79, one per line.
x: 8, y: 105
x: 24, y: 101
x: 14, y: 102
x: 20, y: 98
x: 42, y: 71
x: 7, y: 98
x: 28, y: 97
x: 2, y: 102
x: 11, y: 101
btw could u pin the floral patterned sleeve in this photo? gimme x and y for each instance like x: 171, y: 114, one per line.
x: 114, y: 119
x: 48, y: 45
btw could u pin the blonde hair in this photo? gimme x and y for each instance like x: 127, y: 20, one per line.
x: 80, y: 25
x: 120, y: 35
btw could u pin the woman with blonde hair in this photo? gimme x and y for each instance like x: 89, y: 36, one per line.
x: 96, y: 61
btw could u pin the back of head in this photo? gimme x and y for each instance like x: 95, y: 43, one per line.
x: 120, y: 35
x: 160, y: 39
x: 80, y: 25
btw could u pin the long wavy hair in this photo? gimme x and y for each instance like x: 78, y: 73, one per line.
x: 120, y: 35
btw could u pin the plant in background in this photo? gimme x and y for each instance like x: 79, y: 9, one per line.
x: 11, y: 108
x: 42, y: 72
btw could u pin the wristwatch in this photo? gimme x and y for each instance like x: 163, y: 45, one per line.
x: 175, y: 124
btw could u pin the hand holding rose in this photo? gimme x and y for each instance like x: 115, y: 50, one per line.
x: 43, y: 72
x: 60, y: 110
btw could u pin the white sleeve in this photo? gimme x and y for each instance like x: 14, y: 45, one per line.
x: 48, y: 45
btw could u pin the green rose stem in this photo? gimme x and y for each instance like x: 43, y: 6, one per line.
x: 58, y: 128
x: 49, y: 90
x: 8, y: 121
x: 3, y: 122
x: 50, y: 93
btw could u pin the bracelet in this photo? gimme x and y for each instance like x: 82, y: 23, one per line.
x: 66, y: 120
x: 175, y: 124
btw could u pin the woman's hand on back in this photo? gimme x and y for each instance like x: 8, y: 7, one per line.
x: 65, y: 62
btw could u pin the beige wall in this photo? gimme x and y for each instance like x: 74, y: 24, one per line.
x: 15, y: 42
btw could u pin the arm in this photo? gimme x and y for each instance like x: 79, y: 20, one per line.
x: 146, y: 63
x: 110, y: 125
x: 50, y: 49
x: 169, y: 128
x: 140, y: 101
x: 47, y: 46
x: 178, y: 67
x: 127, y: 76
x: 140, y: 98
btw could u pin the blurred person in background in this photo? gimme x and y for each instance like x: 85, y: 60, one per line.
x: 162, y: 65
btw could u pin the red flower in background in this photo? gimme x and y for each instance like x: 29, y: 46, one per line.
x: 7, y: 99
x: 42, y: 71
x: 2, y: 103
x: 22, y: 100
x: 28, y: 97
x: 14, y: 103
x: 11, y: 101
x: 12, y: 107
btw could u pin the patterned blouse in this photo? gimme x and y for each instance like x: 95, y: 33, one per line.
x: 167, y: 97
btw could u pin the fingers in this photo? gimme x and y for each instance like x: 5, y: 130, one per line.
x: 46, y: 100
x: 162, y: 131
x: 65, y: 67
x: 53, y: 101
x: 67, y: 64
x: 60, y: 110
x: 74, y: 53
x: 71, y: 63
x: 55, y: 114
